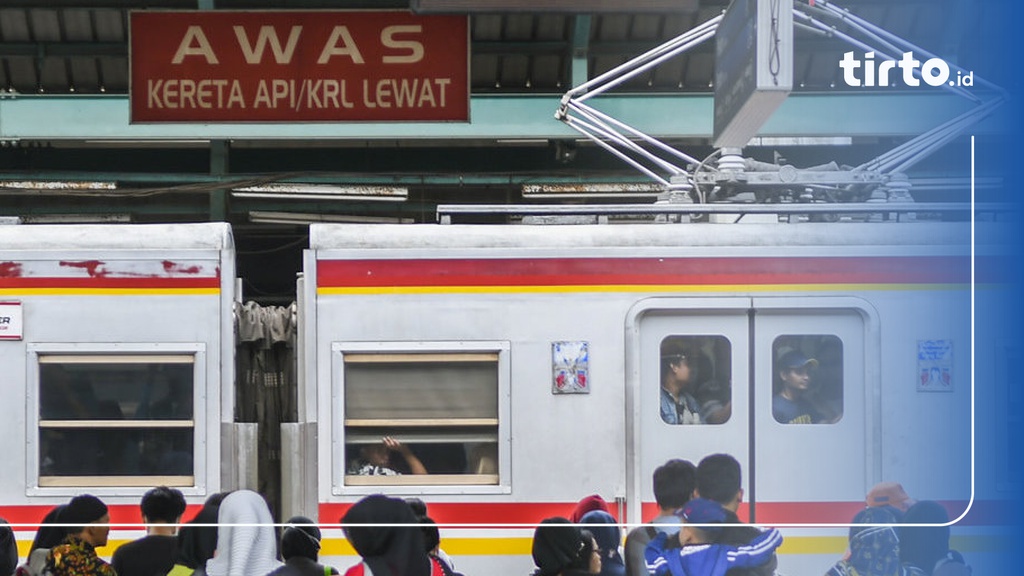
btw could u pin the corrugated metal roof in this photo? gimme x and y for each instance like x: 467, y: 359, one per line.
x: 81, y: 47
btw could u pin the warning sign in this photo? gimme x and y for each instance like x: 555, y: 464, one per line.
x: 11, y: 322
x: 298, y: 66
x: 934, y: 366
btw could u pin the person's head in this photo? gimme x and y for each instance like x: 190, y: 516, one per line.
x: 676, y: 368
x: 700, y: 511
x: 874, y: 549
x: 588, y: 503
x: 674, y: 482
x: 48, y: 535
x: 676, y: 364
x: 89, y: 519
x: 431, y: 535
x: 382, y: 531
x: 559, y: 546
x: 719, y: 478
x: 215, y: 499
x: 197, y: 540
x: 924, y: 546
x: 162, y: 505
x: 589, y: 558
x: 301, y: 538
x: 246, y: 540
x: 890, y: 494
x: 606, y: 532
x: 794, y: 369
x: 375, y: 454
x: 419, y: 507
x: 8, y: 549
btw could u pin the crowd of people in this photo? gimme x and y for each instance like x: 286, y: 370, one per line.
x: 696, y: 533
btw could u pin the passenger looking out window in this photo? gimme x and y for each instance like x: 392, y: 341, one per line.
x: 807, y: 390
x: 695, y: 385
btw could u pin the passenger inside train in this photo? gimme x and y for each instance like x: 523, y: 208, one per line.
x: 375, y: 459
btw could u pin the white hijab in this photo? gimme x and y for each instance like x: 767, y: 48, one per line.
x: 250, y: 547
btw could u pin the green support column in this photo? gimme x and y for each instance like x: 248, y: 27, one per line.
x: 580, y: 49
x: 219, y: 167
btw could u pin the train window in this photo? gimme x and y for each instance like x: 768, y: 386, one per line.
x: 116, y: 420
x: 416, y: 413
x: 807, y: 383
x: 696, y: 380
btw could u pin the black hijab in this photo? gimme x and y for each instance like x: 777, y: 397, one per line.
x: 557, y: 545
x: 303, y: 540
x: 8, y: 549
x: 197, y: 543
x: 387, y: 549
x: 924, y: 546
x: 48, y: 535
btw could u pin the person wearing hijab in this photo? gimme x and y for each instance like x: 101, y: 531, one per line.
x: 246, y: 542
x: 922, y: 547
x: 76, y: 554
x: 48, y: 535
x: 197, y: 539
x: 561, y: 549
x: 8, y: 549
x: 300, y: 548
x: 385, y: 533
x: 874, y: 550
x: 608, y: 536
x: 587, y: 504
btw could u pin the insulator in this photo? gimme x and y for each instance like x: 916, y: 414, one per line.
x: 731, y: 161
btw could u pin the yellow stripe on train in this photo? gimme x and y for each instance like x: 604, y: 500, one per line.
x: 794, y: 545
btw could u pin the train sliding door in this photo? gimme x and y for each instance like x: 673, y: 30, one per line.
x: 704, y: 342
x: 778, y: 383
x: 813, y: 458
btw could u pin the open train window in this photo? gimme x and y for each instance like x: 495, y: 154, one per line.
x: 807, y: 382
x: 116, y: 420
x: 422, y: 418
x: 696, y: 380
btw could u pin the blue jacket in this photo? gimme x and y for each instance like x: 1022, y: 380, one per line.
x: 709, y: 559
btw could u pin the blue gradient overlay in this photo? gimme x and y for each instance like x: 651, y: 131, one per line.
x: 997, y: 54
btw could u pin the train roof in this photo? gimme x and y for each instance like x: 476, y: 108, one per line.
x: 200, y: 236
x: 456, y: 236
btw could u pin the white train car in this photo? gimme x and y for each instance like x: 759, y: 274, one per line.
x: 117, y: 354
x: 521, y: 365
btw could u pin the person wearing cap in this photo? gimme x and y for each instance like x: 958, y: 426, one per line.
x: 76, y: 555
x: 892, y: 496
x: 696, y: 550
x: 791, y: 404
x: 678, y: 405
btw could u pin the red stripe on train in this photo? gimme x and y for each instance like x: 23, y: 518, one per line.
x: 982, y: 513
x: 119, y: 513
x: 101, y: 282
x: 626, y: 271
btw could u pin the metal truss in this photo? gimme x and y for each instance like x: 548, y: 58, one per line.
x: 725, y: 174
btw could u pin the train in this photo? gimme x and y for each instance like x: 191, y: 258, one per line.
x: 522, y: 365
